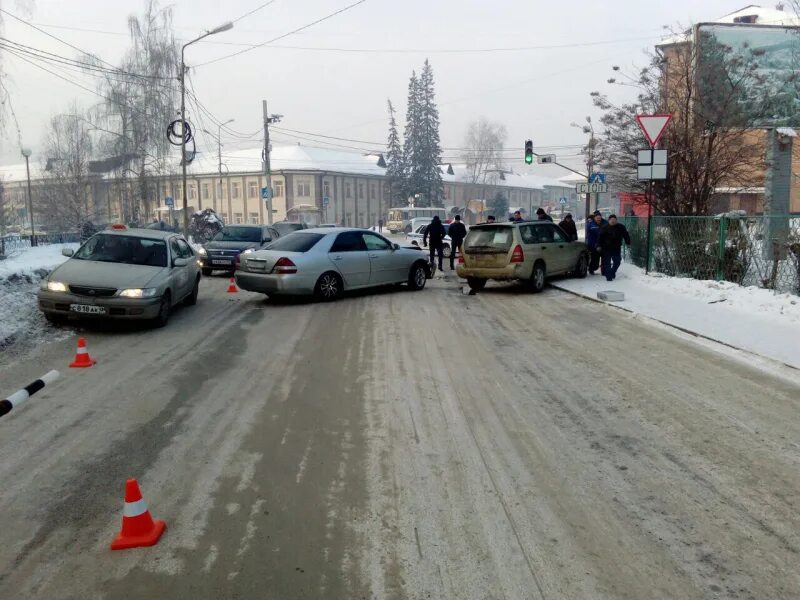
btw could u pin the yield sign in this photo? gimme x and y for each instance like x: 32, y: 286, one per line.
x: 653, y: 126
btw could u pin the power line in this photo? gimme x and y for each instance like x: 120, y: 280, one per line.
x: 255, y: 10
x: 280, y: 37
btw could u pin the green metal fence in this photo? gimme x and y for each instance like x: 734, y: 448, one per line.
x: 751, y: 251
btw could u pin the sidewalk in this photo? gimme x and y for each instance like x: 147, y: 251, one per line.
x: 751, y: 319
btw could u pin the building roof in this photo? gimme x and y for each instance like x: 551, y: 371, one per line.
x: 754, y: 15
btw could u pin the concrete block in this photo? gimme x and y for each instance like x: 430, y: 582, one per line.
x: 611, y: 296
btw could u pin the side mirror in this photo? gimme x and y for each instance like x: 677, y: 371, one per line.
x: 395, y: 246
x: 67, y: 252
x: 179, y: 262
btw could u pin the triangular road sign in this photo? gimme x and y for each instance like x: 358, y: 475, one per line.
x: 653, y: 126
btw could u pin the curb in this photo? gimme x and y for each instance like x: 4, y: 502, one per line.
x: 673, y: 326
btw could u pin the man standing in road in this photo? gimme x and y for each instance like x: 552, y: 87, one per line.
x: 541, y: 215
x: 593, y: 227
x: 380, y: 225
x: 436, y: 232
x: 610, y: 244
x: 517, y: 217
x: 568, y: 225
x: 457, y: 234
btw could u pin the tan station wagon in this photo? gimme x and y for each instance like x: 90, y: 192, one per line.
x: 528, y: 251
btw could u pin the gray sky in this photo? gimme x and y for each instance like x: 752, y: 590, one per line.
x: 534, y: 93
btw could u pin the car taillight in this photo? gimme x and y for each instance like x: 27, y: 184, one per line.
x: 461, y: 258
x: 284, y: 266
x: 517, y: 256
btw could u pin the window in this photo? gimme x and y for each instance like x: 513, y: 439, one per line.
x: 254, y: 218
x: 297, y: 242
x: 205, y: 191
x: 348, y: 190
x: 238, y: 218
x: 175, y: 249
x: 303, y: 189
x: 360, y: 191
x: 185, y: 250
x: 372, y: 188
x: 375, y: 242
x: 279, y: 189
x: 224, y: 217
x: 252, y: 189
x: 326, y: 189
x: 272, y: 234
x: 191, y: 191
x: 234, y: 190
x: 349, y: 241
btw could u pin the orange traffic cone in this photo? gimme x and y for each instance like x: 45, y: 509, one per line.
x: 232, y: 286
x: 82, y: 358
x: 138, y: 527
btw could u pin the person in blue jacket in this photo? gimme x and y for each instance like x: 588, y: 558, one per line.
x: 593, y: 226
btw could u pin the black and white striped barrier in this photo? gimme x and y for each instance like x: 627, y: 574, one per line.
x: 26, y: 392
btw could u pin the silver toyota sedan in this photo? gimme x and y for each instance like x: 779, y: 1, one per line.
x: 325, y: 262
x: 123, y: 274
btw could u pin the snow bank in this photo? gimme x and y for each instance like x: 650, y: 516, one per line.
x: 752, y: 319
x: 21, y: 322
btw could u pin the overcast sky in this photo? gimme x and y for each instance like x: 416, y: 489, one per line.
x: 535, y: 93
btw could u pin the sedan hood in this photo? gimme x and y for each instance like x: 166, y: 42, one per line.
x: 104, y: 274
x: 240, y: 246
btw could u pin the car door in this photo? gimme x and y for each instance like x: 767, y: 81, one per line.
x: 179, y: 276
x: 192, y: 269
x: 383, y: 261
x: 554, y: 243
x: 349, y: 255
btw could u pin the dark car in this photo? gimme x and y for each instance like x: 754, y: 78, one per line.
x: 287, y: 227
x: 221, y: 252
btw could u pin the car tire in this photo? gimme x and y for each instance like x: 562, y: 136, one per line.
x: 329, y: 287
x: 191, y: 299
x: 536, y: 283
x: 582, y: 268
x: 476, y: 283
x: 54, y: 318
x: 207, y: 272
x: 164, y: 310
x: 417, y: 276
x: 446, y: 251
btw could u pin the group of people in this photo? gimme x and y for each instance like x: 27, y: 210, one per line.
x: 604, y: 239
x: 434, y: 236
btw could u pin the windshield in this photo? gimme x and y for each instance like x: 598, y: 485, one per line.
x: 124, y: 249
x: 296, y: 242
x: 287, y: 228
x: 238, y: 234
x: 396, y: 215
x: 491, y: 237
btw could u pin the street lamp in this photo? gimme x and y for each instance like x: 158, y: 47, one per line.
x: 224, y: 27
x: 219, y: 155
x: 588, y: 129
x: 26, y: 152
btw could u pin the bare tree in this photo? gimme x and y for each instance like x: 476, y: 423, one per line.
x: 64, y: 198
x: 26, y: 7
x: 483, y: 152
x: 709, y: 141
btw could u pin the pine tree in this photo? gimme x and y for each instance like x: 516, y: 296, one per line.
x: 395, y: 167
x: 411, y: 181
x: 429, y: 155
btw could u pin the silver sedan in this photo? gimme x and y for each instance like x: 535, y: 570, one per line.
x: 325, y: 262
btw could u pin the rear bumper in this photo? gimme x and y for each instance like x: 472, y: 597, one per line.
x: 268, y: 283
x: 507, y: 273
x: 58, y: 303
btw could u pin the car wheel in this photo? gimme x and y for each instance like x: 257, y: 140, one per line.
x: 417, y: 276
x: 329, y: 287
x: 55, y: 319
x: 581, y: 268
x: 164, y: 309
x: 446, y: 251
x: 191, y: 299
x: 476, y: 284
x: 207, y: 272
x: 536, y: 282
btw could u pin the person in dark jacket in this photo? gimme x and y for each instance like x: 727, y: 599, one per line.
x: 457, y: 234
x: 609, y: 242
x: 569, y: 227
x: 490, y: 219
x: 517, y: 217
x: 541, y: 215
x: 593, y: 227
x: 435, y: 232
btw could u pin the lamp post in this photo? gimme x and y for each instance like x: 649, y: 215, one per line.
x: 219, y: 154
x: 225, y: 27
x: 589, y: 129
x: 26, y: 152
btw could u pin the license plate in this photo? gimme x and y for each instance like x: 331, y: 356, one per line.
x: 88, y: 309
x: 221, y: 262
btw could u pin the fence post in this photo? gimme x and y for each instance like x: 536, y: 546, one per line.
x: 723, y: 239
x: 650, y: 236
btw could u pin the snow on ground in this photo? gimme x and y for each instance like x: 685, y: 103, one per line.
x: 752, y: 319
x: 21, y: 323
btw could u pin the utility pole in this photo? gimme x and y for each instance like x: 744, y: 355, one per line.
x: 27, y: 154
x: 267, y: 166
x: 219, y: 157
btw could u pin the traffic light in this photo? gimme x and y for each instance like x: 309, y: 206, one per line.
x: 528, y: 152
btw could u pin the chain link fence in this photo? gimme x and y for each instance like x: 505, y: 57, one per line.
x: 759, y: 251
x: 13, y: 243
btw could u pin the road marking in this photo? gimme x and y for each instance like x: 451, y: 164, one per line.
x: 211, y: 558
x: 301, y: 468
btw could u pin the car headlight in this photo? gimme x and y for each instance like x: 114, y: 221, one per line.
x: 138, y: 293
x: 201, y: 251
x: 248, y: 251
x: 55, y: 286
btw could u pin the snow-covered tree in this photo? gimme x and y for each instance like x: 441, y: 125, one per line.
x: 429, y: 151
x: 395, y: 165
x: 411, y: 140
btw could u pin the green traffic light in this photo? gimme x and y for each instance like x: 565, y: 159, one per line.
x: 528, y: 158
